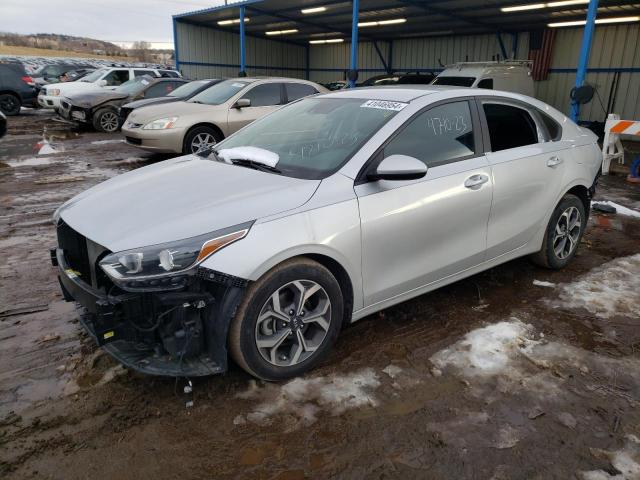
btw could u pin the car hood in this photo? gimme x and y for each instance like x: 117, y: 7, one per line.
x: 180, y: 198
x: 68, y: 87
x: 153, y: 112
x: 146, y: 102
x: 93, y: 98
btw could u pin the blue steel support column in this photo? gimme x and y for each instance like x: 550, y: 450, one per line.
x: 583, y: 62
x: 354, y: 40
x: 243, y: 56
x: 175, y: 44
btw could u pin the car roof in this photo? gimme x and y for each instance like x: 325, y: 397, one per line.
x: 393, y: 93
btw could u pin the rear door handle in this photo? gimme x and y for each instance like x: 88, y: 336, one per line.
x: 554, y: 161
x: 475, y: 181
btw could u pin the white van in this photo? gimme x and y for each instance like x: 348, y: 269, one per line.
x: 510, y: 76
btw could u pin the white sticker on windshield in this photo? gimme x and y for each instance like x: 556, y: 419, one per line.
x: 145, y: 82
x: 237, y: 85
x: 384, y: 105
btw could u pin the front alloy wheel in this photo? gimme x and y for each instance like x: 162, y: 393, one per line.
x: 287, y: 321
x: 202, y: 141
x: 293, y: 323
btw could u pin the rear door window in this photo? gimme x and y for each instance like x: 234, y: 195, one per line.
x: 509, y: 126
x: 161, y: 89
x: 265, y: 95
x: 486, y: 83
x: 455, y: 81
x: 116, y: 77
x: 437, y: 136
x: 298, y: 90
x: 141, y: 73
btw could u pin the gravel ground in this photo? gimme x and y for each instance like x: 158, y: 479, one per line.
x: 516, y: 373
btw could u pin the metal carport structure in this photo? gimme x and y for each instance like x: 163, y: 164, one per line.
x: 319, y: 39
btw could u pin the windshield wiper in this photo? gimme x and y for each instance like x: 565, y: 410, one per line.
x: 255, y: 165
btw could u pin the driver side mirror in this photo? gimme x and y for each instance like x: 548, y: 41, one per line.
x: 242, y: 103
x: 102, y: 83
x: 399, y: 167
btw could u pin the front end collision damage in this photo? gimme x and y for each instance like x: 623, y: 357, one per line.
x: 172, y: 333
x: 171, y: 326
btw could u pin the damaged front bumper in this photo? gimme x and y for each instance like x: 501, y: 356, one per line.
x: 171, y: 333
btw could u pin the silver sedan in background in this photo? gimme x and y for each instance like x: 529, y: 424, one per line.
x: 326, y: 211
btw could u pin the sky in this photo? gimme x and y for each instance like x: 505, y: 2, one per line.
x: 111, y: 20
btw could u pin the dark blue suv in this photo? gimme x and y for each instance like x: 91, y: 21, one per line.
x: 17, y: 89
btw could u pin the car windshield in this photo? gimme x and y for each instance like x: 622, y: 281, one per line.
x: 134, y: 86
x: 92, y: 77
x: 314, y: 137
x: 188, y: 89
x: 220, y: 93
x: 455, y: 81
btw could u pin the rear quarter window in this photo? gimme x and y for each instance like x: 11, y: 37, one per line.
x: 553, y: 128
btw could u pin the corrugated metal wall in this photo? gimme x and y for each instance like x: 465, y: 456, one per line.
x: 615, y: 47
x: 209, y: 53
x: 331, y: 62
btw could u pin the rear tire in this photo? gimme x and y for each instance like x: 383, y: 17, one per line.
x: 288, y: 321
x: 564, y: 232
x: 10, y: 104
x: 199, y: 139
x: 106, y: 120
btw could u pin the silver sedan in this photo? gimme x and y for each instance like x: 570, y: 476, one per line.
x: 328, y: 210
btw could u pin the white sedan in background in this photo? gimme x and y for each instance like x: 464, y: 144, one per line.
x: 328, y: 210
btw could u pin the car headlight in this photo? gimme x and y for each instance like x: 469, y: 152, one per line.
x: 166, y: 260
x: 54, y: 92
x: 161, y: 124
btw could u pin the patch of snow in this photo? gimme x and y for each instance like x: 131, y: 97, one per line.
x: 486, y: 351
x: 256, y: 154
x: 542, y: 283
x: 621, y: 209
x: 105, y: 142
x: 606, y: 291
x: 392, y: 370
x: 304, y: 398
x: 626, y: 461
x: 29, y: 162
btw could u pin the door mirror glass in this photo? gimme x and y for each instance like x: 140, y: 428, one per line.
x: 399, y: 167
x: 242, y: 103
x: 102, y: 82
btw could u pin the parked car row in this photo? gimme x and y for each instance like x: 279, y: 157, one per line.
x: 324, y: 209
x: 46, y: 84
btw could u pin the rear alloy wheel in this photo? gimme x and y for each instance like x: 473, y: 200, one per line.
x: 200, y: 139
x: 564, y: 231
x: 106, y: 120
x: 9, y: 104
x: 288, y: 320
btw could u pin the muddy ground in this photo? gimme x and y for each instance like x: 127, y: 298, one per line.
x: 516, y: 373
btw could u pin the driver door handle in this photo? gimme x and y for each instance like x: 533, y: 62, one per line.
x: 475, y: 181
x: 554, y: 161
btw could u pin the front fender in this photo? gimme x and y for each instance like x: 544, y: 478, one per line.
x: 332, y: 231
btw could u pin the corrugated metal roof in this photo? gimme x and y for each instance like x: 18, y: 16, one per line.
x: 423, y: 18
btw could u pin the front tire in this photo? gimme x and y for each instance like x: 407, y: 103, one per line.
x: 199, y: 139
x: 106, y: 120
x: 288, y: 321
x: 564, y: 232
